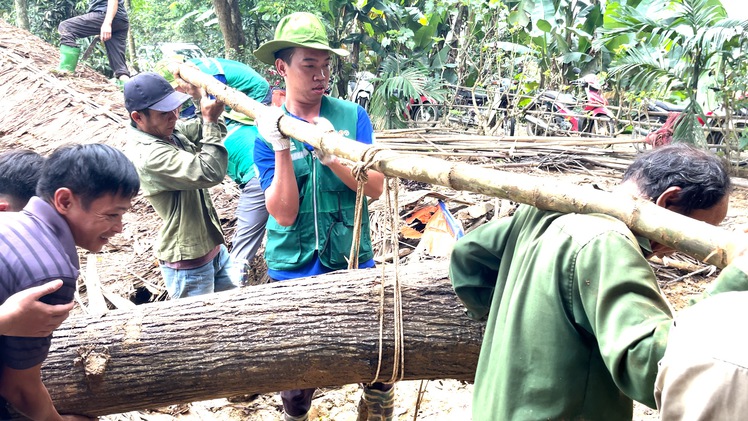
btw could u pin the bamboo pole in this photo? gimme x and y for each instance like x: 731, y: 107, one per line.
x: 705, y: 242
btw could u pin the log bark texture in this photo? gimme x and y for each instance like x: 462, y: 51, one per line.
x: 705, y: 242
x: 321, y: 331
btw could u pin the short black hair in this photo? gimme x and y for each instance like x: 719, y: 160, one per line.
x: 146, y: 112
x: 89, y: 171
x: 285, y: 54
x: 701, y: 175
x: 19, y: 173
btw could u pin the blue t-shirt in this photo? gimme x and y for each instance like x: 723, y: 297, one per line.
x: 265, y: 162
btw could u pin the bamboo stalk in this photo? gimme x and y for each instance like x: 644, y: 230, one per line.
x: 705, y: 242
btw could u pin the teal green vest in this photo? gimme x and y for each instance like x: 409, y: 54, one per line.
x: 326, y: 207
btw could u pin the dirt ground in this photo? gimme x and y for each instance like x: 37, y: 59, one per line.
x: 428, y: 400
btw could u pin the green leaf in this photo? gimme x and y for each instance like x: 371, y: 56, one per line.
x: 518, y: 18
x: 544, y: 25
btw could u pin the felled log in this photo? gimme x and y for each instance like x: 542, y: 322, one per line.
x: 705, y: 242
x: 322, y: 331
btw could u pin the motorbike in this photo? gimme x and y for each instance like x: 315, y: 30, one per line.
x: 657, y: 112
x: 556, y: 113
x: 716, y: 119
x: 717, y: 123
x: 423, y: 109
x: 473, y: 105
x: 361, y: 88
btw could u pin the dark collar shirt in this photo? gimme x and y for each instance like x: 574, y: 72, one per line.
x: 36, y: 246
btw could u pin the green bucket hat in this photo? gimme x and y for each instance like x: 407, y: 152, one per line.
x: 297, y: 30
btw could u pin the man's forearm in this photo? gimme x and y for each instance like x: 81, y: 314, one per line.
x: 282, y: 197
x: 111, y: 11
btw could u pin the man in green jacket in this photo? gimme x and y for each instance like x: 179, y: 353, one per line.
x: 576, y: 321
x: 177, y: 162
x: 310, y: 195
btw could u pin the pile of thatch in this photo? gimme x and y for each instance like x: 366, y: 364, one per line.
x: 41, y: 111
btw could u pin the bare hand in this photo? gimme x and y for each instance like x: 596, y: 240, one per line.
x: 106, y: 32
x: 210, y: 108
x: 24, y: 315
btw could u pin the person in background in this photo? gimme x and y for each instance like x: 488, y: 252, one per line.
x: 19, y: 173
x: 576, y: 319
x: 106, y: 18
x: 23, y: 314
x: 704, y: 372
x: 82, y: 193
x: 310, y: 195
x: 177, y: 162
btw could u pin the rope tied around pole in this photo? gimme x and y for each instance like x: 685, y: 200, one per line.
x: 398, y: 364
x: 359, y: 172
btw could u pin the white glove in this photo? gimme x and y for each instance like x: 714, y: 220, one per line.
x: 267, y: 125
x: 327, y: 127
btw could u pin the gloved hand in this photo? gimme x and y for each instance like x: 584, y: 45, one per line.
x: 327, y: 127
x: 267, y: 125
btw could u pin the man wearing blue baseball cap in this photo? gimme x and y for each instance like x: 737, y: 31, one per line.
x: 177, y: 162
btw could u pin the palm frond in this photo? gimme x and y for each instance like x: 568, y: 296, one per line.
x: 645, y: 69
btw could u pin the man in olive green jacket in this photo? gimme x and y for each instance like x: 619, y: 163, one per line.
x: 576, y: 320
x: 177, y: 162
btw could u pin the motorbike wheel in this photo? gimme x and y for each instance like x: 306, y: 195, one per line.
x: 604, y: 127
x: 715, y: 137
x: 534, y: 129
x: 642, y: 127
x: 363, y: 102
x: 506, y: 126
x: 509, y: 124
x: 425, y: 113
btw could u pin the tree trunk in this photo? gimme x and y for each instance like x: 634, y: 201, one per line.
x: 317, y: 332
x: 131, y: 42
x: 705, y: 242
x: 22, y: 14
x: 230, y: 21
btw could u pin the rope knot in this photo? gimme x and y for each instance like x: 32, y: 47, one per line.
x: 361, y: 168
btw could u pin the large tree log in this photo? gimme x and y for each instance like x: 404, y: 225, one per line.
x: 698, y: 239
x: 321, y: 331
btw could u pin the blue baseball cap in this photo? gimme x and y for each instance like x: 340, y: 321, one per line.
x: 150, y: 90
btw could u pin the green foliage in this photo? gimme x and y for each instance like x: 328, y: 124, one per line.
x: 562, y: 32
x: 674, y: 45
x: 401, y: 80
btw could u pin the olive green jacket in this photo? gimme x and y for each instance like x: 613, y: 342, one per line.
x: 175, y: 180
x: 576, y: 320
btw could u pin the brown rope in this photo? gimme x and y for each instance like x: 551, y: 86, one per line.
x: 398, y: 365
x: 360, y: 173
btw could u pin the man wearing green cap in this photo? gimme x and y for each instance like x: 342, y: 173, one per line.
x: 310, y: 195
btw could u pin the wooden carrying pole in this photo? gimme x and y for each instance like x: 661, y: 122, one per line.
x: 261, y: 339
x: 705, y: 242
